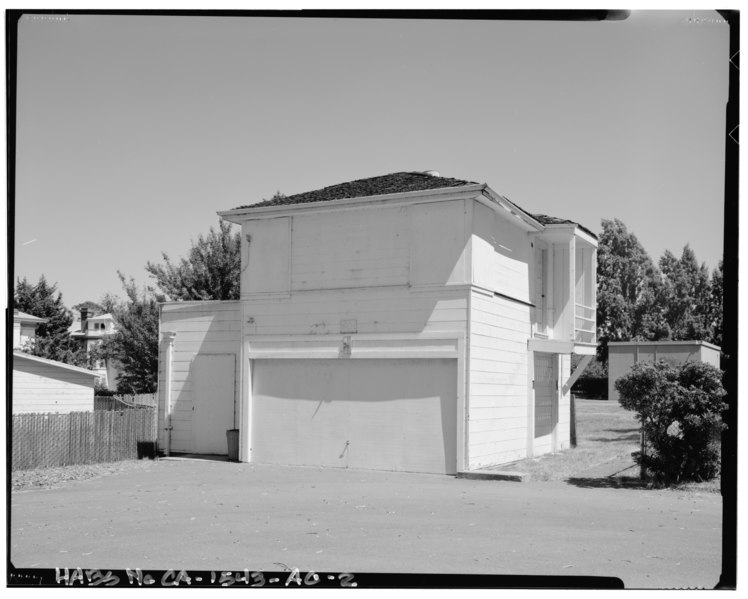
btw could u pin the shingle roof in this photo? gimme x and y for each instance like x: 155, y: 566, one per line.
x: 544, y: 219
x: 401, y: 182
x: 385, y: 184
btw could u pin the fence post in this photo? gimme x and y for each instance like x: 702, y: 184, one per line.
x: 642, y: 455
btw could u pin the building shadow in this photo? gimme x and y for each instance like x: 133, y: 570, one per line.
x: 608, y: 482
x: 631, y: 437
x: 196, y: 456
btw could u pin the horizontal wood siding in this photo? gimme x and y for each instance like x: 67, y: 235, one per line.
x: 350, y: 249
x: 439, y: 243
x: 497, y: 408
x: 375, y: 310
x: 265, y: 256
x: 501, y: 254
x: 41, y: 387
x: 202, y: 328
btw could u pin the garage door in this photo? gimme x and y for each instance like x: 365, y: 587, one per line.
x: 374, y: 414
x: 545, y: 400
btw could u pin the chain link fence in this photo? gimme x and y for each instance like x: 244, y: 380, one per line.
x: 48, y: 440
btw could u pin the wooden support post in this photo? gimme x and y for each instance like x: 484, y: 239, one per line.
x: 573, y: 421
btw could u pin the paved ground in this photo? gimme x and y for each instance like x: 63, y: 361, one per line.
x: 204, y: 515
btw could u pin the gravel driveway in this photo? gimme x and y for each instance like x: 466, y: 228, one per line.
x: 214, y: 515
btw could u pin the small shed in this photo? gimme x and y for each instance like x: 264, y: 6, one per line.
x: 622, y: 355
x: 41, y: 385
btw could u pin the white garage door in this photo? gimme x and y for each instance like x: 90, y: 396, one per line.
x: 374, y: 414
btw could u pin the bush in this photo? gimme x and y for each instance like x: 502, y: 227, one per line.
x: 680, y: 409
x: 594, y: 380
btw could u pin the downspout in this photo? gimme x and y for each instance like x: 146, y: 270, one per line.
x: 168, y: 338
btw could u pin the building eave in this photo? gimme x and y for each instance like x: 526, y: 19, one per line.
x: 239, y: 215
x: 663, y: 342
x: 28, y: 319
x: 23, y: 356
x: 495, y: 199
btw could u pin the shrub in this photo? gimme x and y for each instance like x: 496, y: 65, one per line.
x: 680, y: 409
x: 594, y: 380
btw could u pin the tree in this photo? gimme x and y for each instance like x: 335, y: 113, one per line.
x: 53, y: 340
x: 629, y: 291
x: 688, y: 296
x: 275, y: 197
x: 209, y: 272
x: 715, y: 304
x: 92, y: 307
x: 135, y: 343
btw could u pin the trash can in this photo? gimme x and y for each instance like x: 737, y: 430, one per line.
x: 147, y: 449
x: 232, y: 438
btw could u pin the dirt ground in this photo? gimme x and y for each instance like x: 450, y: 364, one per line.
x: 215, y: 515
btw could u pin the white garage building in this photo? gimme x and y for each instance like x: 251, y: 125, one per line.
x: 46, y: 386
x: 404, y: 322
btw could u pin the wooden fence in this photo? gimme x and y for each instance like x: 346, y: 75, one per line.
x: 123, y: 402
x: 47, y: 440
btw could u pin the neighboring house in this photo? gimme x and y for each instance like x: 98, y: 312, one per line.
x: 622, y: 355
x: 91, y: 331
x: 404, y: 322
x: 24, y: 328
x: 41, y: 385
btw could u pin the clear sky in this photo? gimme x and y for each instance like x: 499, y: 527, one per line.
x: 134, y: 131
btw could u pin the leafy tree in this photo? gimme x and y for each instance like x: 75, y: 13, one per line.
x: 276, y: 196
x: 680, y: 409
x: 688, y: 296
x: 109, y: 303
x: 630, y: 289
x: 92, y: 307
x: 209, y: 272
x: 135, y: 343
x: 594, y: 380
x: 715, y: 304
x: 53, y: 340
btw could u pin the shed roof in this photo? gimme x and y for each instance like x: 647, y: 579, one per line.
x: 61, y: 365
x: 663, y: 343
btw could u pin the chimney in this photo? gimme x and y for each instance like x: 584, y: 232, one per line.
x: 84, y: 320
